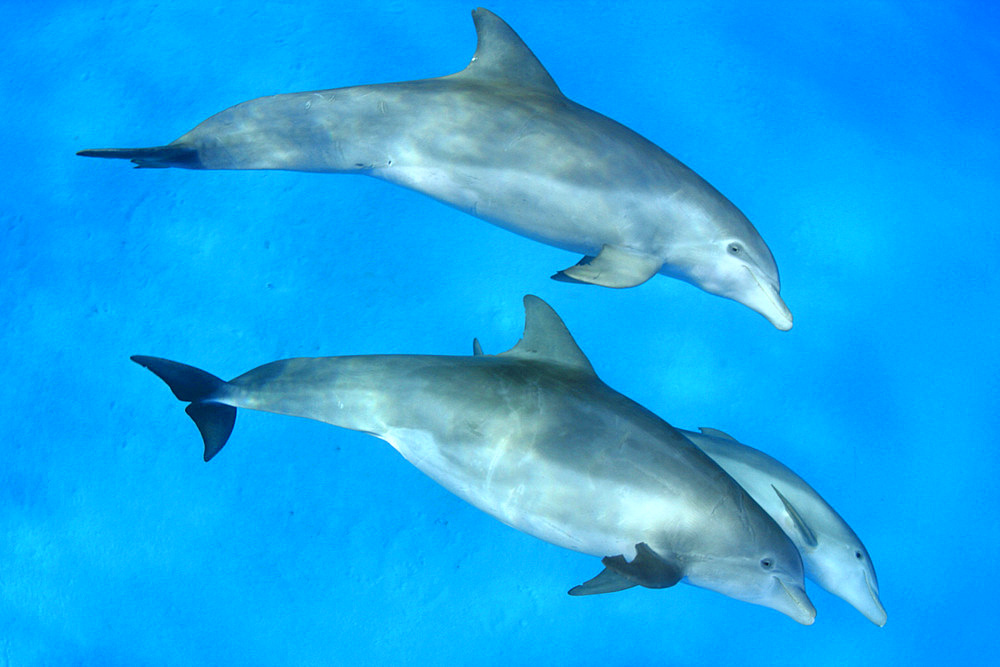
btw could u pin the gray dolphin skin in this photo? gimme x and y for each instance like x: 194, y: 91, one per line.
x: 500, y: 141
x: 833, y: 555
x: 535, y: 439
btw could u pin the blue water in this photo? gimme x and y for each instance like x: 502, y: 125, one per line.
x: 860, y: 137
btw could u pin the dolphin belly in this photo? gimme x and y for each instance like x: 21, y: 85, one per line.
x: 520, y: 488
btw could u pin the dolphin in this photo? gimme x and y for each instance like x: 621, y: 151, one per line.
x: 833, y: 555
x: 533, y: 437
x: 500, y: 141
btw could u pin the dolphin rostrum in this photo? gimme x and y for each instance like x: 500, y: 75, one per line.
x: 534, y: 438
x: 833, y: 555
x: 499, y: 140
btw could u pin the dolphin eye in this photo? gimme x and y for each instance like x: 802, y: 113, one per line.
x: 857, y: 554
x: 735, y: 249
x: 766, y: 563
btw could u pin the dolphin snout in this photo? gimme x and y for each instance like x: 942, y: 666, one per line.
x: 781, y: 317
x: 768, y: 302
x: 795, y: 603
x: 874, y: 612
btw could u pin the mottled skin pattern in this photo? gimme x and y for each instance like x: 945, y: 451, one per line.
x: 501, y: 142
x: 832, y: 553
x: 534, y: 438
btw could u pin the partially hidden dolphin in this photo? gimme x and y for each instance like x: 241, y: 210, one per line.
x: 534, y: 438
x: 832, y: 553
x: 500, y: 141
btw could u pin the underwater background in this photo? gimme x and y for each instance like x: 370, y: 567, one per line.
x: 862, y: 140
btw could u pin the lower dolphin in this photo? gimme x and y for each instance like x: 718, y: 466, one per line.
x: 535, y: 439
x: 832, y: 553
x: 500, y: 141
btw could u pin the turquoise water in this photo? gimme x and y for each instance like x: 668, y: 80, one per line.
x: 861, y: 139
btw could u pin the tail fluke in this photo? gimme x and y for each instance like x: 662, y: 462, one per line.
x: 214, y: 420
x: 157, y: 157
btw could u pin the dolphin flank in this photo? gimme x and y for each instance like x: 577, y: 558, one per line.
x: 534, y: 438
x: 500, y: 141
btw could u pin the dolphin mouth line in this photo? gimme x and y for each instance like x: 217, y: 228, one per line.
x: 798, y: 603
x: 871, y: 591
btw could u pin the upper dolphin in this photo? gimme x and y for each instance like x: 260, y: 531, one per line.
x: 832, y: 553
x: 500, y: 141
x: 534, y: 438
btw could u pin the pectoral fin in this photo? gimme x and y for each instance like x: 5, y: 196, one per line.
x: 608, y: 581
x: 646, y: 569
x: 613, y: 267
x: 808, y: 536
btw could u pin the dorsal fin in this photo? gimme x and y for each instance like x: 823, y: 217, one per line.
x: 502, y: 58
x: 716, y: 433
x: 547, y: 338
x: 808, y: 536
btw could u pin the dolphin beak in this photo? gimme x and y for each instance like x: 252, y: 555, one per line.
x: 767, y: 301
x: 876, y: 612
x: 796, y: 604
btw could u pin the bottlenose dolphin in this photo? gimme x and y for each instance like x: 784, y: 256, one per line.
x: 534, y: 438
x: 500, y: 141
x: 833, y: 555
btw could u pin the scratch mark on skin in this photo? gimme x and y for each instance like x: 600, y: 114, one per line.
x: 498, y: 455
x: 741, y: 507
x: 622, y: 441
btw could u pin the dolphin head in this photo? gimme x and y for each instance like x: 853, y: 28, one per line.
x: 845, y: 569
x: 744, y: 271
x: 770, y: 578
x: 761, y: 565
x: 726, y: 256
